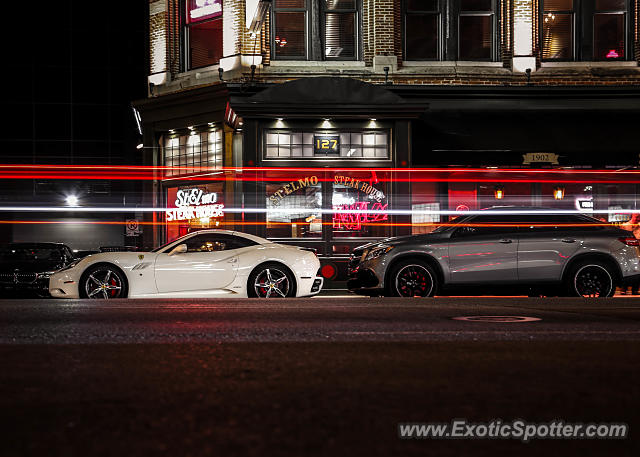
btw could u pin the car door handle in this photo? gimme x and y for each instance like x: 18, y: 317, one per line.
x: 506, y: 241
x: 234, y: 260
x: 568, y: 240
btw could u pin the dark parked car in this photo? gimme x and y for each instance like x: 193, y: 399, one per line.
x: 25, y: 267
x: 507, y: 247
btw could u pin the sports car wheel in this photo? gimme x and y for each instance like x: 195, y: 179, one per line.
x: 591, y: 279
x: 271, y: 281
x: 413, y: 278
x: 103, y: 281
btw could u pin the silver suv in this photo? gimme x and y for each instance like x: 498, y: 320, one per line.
x: 569, y: 254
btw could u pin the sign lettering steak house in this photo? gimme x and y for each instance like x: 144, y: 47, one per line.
x: 194, y: 204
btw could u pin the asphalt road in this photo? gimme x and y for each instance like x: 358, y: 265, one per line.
x: 322, y: 376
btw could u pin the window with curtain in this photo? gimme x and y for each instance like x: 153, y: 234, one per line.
x: 584, y: 30
x: 316, y: 29
x: 203, y: 33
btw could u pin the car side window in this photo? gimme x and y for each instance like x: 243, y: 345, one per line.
x: 486, y: 226
x: 214, y: 242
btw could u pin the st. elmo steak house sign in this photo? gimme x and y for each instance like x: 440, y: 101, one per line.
x: 194, y: 204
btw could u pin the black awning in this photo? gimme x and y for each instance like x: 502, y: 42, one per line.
x: 325, y: 96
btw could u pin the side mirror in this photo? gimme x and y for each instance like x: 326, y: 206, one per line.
x: 179, y: 249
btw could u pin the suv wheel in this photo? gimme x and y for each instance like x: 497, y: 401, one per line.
x: 591, y: 279
x: 412, y: 278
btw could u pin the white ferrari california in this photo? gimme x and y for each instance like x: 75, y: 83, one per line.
x: 208, y: 263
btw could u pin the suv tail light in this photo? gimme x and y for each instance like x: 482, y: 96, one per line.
x: 630, y: 241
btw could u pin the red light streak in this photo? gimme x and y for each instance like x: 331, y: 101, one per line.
x: 138, y: 172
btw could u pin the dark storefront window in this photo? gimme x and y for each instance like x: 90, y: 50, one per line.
x: 449, y: 30
x: 334, y: 36
x: 360, y: 205
x: 294, y: 208
x: 588, y: 30
x: 203, y: 33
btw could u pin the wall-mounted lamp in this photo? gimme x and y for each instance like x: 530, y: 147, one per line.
x: 558, y: 192
x: 498, y: 192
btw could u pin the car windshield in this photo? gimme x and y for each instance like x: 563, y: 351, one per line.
x: 27, y: 254
x: 159, y: 248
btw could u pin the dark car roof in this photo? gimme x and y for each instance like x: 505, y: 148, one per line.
x: 36, y: 245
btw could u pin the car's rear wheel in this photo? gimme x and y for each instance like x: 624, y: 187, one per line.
x: 412, y: 278
x: 271, y: 280
x: 103, y: 281
x: 591, y: 279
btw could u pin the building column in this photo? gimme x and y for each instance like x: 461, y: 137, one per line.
x: 158, y: 44
x: 523, y: 56
x: 378, y: 24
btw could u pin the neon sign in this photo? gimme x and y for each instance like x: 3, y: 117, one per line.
x: 195, y: 204
x: 612, y: 54
x: 359, y: 216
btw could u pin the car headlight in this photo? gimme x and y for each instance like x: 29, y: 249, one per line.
x: 377, y: 251
x: 71, y: 265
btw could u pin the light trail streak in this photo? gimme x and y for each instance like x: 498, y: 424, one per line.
x: 275, y: 174
x: 297, y: 211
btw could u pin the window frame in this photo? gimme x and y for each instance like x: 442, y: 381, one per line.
x: 315, y: 31
x: 185, y: 29
x: 357, y: 26
x: 449, y: 13
x: 337, y: 132
x: 584, y: 32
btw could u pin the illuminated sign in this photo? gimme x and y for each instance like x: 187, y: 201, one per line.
x: 584, y: 203
x: 362, y: 214
x: 195, y: 204
x: 326, y: 144
x: 362, y: 186
x: 203, y: 9
x: 291, y: 187
x: 612, y: 54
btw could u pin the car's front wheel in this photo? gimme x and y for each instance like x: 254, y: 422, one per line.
x: 103, y: 281
x: 412, y: 278
x: 271, y: 280
x: 591, y: 279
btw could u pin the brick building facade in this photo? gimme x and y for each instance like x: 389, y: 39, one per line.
x: 482, y: 85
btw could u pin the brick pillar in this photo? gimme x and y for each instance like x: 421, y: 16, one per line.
x: 523, y: 56
x: 379, y: 40
x: 636, y: 33
x: 158, y: 43
x: 506, y: 32
x: 173, y: 31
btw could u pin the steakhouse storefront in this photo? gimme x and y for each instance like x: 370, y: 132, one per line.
x: 333, y: 163
x: 320, y: 151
